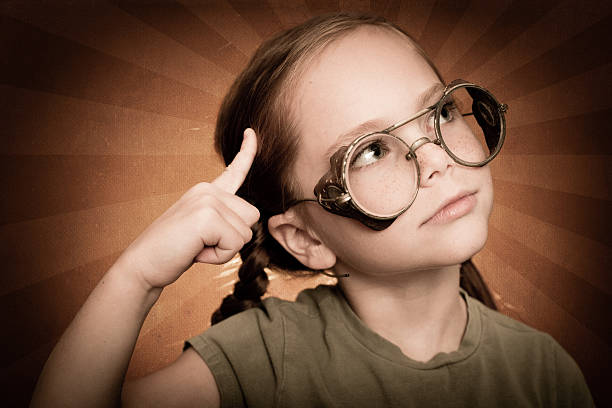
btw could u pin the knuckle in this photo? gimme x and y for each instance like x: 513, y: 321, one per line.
x: 254, y: 215
x: 236, y: 242
x: 205, y: 214
x: 250, y: 213
x: 208, y: 200
x: 248, y: 235
x: 198, y: 190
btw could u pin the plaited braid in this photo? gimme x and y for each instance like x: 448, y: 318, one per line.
x: 252, y: 278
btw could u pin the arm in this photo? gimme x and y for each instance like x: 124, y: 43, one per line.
x: 185, y: 383
x: 88, y: 364
x: 87, y: 367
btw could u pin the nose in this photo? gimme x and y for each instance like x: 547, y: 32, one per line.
x: 432, y: 158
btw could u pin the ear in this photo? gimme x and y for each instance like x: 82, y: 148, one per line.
x: 289, y: 230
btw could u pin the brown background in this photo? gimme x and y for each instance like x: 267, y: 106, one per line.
x: 107, y: 116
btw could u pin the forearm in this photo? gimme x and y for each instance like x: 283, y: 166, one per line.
x: 88, y: 365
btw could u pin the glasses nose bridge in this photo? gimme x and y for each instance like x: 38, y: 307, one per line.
x: 421, y: 142
x: 418, y: 121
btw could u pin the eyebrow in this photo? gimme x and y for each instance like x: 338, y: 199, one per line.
x: 423, y: 100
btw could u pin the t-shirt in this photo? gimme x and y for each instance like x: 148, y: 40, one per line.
x: 316, y: 352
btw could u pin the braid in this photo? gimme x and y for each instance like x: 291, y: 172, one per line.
x: 252, y: 278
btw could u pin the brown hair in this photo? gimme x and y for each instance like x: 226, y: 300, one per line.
x: 259, y: 98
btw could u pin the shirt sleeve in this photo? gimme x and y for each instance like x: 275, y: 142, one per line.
x: 229, y: 390
x: 572, y: 389
x: 244, y: 354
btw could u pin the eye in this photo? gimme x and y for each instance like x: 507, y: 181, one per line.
x: 369, y: 154
x: 446, y: 113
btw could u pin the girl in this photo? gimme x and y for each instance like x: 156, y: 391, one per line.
x: 347, y: 156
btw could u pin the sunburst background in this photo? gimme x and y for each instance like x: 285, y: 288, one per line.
x: 108, y: 112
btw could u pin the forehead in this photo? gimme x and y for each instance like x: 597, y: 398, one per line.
x: 371, y: 75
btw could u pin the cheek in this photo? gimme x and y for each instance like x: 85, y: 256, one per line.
x: 487, y: 191
x: 363, y: 249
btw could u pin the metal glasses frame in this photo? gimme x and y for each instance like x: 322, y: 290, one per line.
x: 332, y: 193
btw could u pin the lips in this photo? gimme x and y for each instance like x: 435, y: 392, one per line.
x: 448, y: 202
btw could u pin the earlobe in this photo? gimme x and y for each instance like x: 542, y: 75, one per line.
x: 288, y: 229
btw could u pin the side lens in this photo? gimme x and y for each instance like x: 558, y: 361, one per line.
x: 470, y: 124
x: 381, y: 175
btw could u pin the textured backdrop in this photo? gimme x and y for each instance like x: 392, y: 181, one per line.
x: 108, y: 111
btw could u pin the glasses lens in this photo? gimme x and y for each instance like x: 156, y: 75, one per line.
x: 470, y: 124
x: 381, y: 176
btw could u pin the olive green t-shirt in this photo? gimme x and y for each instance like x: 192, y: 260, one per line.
x: 316, y: 352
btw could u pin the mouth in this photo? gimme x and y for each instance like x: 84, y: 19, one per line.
x: 452, y: 208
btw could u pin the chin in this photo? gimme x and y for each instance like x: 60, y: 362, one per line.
x: 467, y: 242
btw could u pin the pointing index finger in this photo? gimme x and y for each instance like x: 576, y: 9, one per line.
x: 233, y: 176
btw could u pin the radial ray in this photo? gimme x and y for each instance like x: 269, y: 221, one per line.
x: 389, y: 9
x: 322, y: 6
x: 575, y: 56
x: 58, y: 67
x: 585, y: 258
x: 584, y: 134
x: 178, y: 23
x: 585, y: 216
x: 50, y: 124
x: 515, y: 19
x: 38, y: 188
x: 413, y: 16
x: 444, y: 17
x: 45, y: 302
x: 259, y: 15
x: 467, y: 39
x: 292, y: 13
x: 575, y: 295
x: 529, y: 304
x: 563, y: 22
x: 584, y: 93
x: 222, y: 17
x: 69, y: 240
x: 358, y: 6
x: 106, y: 28
x: 584, y: 175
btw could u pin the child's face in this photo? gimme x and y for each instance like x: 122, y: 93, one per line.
x: 375, y: 75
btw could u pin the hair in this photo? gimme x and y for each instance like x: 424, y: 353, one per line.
x: 260, y: 98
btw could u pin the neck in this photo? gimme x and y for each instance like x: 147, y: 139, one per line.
x: 421, y: 312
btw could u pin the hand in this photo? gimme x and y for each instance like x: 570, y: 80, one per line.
x: 209, y: 223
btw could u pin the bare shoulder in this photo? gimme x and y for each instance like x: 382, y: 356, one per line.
x: 187, y: 382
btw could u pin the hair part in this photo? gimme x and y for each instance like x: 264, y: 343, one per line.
x: 261, y: 98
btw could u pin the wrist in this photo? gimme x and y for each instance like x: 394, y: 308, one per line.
x: 130, y: 278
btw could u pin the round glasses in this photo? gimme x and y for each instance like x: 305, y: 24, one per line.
x: 376, y: 178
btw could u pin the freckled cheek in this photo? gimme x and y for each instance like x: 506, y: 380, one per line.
x: 467, y: 143
x: 384, y: 189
